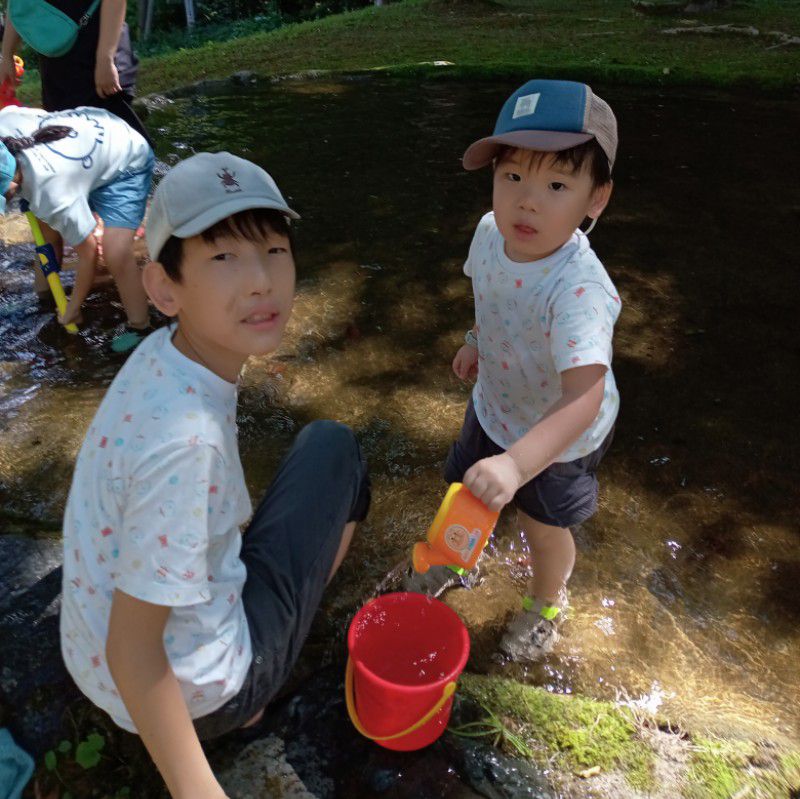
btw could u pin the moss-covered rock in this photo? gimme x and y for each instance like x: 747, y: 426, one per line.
x: 582, y: 733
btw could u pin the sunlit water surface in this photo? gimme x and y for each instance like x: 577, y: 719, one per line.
x: 686, y: 595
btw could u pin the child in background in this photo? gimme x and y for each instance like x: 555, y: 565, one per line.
x: 542, y: 412
x: 67, y: 165
x: 173, y: 622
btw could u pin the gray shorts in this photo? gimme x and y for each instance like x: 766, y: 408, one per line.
x: 562, y: 495
x: 289, y: 548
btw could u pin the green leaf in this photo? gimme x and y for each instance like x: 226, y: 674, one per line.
x: 96, y: 741
x: 123, y: 792
x: 66, y: 795
x: 64, y: 747
x: 50, y: 760
x: 86, y: 755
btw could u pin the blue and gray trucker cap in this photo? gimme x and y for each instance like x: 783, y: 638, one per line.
x: 548, y: 115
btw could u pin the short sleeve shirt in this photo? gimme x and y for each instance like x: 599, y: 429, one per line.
x: 58, y: 177
x: 536, y: 320
x: 156, y: 507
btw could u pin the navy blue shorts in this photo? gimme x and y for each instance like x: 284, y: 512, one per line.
x: 289, y: 548
x: 562, y: 495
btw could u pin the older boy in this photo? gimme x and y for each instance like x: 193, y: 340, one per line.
x: 172, y: 622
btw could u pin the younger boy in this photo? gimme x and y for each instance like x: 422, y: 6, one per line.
x: 542, y: 412
x: 172, y: 622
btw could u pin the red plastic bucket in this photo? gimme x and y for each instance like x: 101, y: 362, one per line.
x: 406, y: 652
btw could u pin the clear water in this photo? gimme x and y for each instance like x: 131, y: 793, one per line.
x: 685, y: 596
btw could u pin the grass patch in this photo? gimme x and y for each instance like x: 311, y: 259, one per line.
x: 720, y: 769
x: 581, y: 733
x: 594, y: 40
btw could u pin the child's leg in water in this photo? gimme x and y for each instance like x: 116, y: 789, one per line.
x: 533, y: 631
x: 347, y: 537
x: 553, y: 555
x: 120, y: 260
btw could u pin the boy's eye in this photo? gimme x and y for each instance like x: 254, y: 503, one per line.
x: 513, y: 176
x: 557, y: 186
x: 223, y: 256
x: 277, y: 250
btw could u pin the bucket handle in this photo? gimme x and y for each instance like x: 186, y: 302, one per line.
x: 447, y: 692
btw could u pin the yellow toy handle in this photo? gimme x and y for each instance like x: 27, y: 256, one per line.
x: 53, y: 279
x: 447, y: 692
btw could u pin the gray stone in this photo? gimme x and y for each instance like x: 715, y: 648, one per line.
x: 261, y: 771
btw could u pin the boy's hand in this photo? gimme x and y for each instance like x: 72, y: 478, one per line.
x: 465, y: 364
x: 494, y: 481
x: 71, y: 314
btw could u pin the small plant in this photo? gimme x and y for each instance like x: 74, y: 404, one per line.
x: 86, y: 755
x: 502, y: 735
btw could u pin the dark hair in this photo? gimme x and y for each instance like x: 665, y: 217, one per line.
x: 588, y: 155
x: 16, y: 144
x: 253, y: 224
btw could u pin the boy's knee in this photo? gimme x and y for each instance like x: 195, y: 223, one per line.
x: 327, y: 433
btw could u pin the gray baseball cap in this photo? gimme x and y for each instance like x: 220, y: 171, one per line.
x: 205, y: 189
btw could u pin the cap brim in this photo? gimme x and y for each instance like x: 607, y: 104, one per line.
x: 226, y: 209
x: 481, y: 152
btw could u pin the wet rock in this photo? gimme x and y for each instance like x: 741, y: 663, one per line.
x: 34, y: 684
x: 262, y: 769
x: 664, y: 586
x: 333, y: 760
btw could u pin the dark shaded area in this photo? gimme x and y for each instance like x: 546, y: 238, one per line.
x: 35, y: 688
x: 333, y: 760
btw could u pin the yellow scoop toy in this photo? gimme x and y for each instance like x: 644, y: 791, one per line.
x: 458, y: 534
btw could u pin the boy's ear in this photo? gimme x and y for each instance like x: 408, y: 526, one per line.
x: 160, y: 288
x: 600, y: 197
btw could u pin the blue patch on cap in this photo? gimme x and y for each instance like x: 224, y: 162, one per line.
x: 558, y: 105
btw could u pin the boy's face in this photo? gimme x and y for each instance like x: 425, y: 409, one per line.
x: 538, y: 204
x: 233, y: 300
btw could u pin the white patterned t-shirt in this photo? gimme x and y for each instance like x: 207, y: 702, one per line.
x: 534, y: 321
x: 155, y: 510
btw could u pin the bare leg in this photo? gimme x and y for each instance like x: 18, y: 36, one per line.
x: 344, y: 545
x: 553, y: 553
x: 119, y: 258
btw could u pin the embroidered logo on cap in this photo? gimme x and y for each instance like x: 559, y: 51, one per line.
x: 526, y: 105
x: 228, y: 181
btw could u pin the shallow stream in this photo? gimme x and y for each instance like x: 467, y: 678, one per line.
x: 686, y: 594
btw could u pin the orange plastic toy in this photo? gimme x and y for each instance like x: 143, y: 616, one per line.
x: 8, y: 92
x: 458, y: 534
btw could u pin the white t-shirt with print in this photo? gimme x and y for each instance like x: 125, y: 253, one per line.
x: 58, y: 177
x: 534, y: 321
x: 156, y: 506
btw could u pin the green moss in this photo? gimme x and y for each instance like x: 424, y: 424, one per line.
x: 719, y: 769
x: 581, y: 732
x: 714, y: 769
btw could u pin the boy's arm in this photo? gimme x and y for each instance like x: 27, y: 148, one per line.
x: 495, y: 480
x: 84, y: 277
x: 148, y: 687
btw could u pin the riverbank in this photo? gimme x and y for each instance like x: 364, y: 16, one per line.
x: 590, y: 41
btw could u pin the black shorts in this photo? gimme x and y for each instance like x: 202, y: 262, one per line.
x: 562, y: 495
x: 289, y: 548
